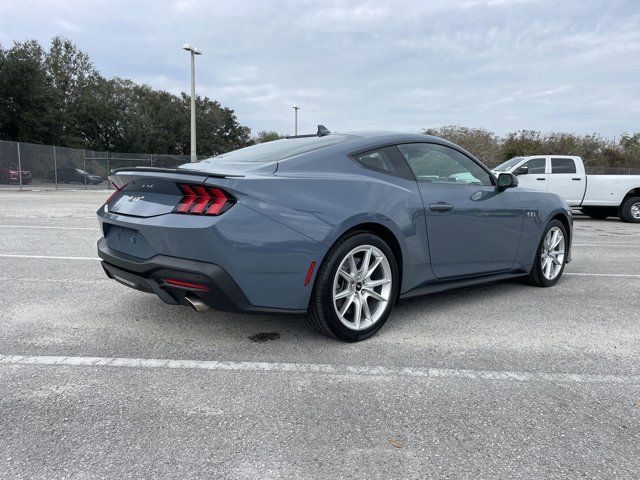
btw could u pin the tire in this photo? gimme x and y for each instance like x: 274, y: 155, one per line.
x: 630, y: 210
x: 538, y: 276
x: 324, y: 311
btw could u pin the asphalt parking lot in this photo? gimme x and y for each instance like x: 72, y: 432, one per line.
x: 499, y: 381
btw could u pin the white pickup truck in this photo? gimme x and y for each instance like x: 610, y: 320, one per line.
x: 598, y: 196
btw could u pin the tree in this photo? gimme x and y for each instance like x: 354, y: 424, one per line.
x: 482, y: 143
x: 26, y: 109
x: 266, y: 136
x: 58, y: 97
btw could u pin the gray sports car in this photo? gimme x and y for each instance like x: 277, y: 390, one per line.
x: 338, y: 225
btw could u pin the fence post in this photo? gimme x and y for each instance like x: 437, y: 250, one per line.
x: 84, y: 167
x: 19, y: 166
x: 55, y: 167
x: 108, y: 172
x: 151, y: 160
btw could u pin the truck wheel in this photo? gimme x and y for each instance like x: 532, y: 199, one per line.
x: 630, y: 210
x: 550, y: 256
x: 355, y: 288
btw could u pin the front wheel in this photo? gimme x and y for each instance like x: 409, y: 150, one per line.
x: 355, y: 288
x: 551, y: 256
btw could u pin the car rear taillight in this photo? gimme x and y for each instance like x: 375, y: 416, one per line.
x: 201, y: 200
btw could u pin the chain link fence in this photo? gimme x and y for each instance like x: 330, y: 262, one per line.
x: 32, y: 166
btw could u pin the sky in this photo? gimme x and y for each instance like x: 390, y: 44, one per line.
x: 504, y: 65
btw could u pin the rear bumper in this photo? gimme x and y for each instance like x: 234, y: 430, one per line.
x: 216, y: 287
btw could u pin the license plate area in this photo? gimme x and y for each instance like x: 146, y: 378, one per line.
x: 129, y: 241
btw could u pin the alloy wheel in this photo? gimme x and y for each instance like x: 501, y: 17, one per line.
x: 362, y: 287
x: 553, y: 251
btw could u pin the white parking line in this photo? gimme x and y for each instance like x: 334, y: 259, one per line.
x: 56, y: 280
x: 602, y: 274
x: 603, y: 245
x: 315, y: 368
x: 55, y: 257
x: 50, y: 228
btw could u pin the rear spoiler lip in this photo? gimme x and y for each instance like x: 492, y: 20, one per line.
x: 185, y: 171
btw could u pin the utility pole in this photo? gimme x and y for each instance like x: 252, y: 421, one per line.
x: 194, y: 51
x: 295, y: 109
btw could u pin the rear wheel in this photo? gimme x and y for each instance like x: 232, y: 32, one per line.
x: 551, y: 256
x: 630, y: 210
x: 355, y: 288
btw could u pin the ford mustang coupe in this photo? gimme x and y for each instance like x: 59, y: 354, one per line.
x: 336, y: 225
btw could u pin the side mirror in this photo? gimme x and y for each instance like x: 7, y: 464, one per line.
x: 507, y: 180
x: 522, y: 170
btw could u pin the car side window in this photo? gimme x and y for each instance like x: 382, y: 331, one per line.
x: 536, y: 165
x: 433, y: 163
x: 563, y: 165
x: 384, y: 160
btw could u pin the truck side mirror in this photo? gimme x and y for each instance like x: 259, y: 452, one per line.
x: 521, y: 170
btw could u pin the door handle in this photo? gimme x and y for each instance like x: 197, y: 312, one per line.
x: 541, y: 179
x: 576, y: 179
x: 441, y: 207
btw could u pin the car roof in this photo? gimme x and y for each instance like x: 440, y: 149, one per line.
x: 377, y: 138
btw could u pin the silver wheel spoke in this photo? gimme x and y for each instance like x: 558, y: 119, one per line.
x: 344, y: 293
x: 547, y: 270
x: 545, y: 261
x: 365, y: 309
x: 352, y: 266
x: 373, y: 267
x: 357, y: 313
x: 374, y: 294
x: 377, y: 283
x: 345, y: 275
x: 364, y: 269
x: 346, y: 305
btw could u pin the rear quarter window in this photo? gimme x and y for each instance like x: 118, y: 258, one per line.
x: 386, y: 160
x: 563, y: 165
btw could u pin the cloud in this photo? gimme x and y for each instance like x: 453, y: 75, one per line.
x: 499, y: 64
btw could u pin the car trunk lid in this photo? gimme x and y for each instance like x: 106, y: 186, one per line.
x: 149, y: 192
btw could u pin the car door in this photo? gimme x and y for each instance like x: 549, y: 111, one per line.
x: 533, y: 174
x: 565, y: 181
x: 472, y: 227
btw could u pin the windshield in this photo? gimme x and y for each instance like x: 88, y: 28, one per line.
x: 503, y: 167
x: 278, y: 149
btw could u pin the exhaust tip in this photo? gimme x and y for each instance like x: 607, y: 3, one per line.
x: 195, y: 303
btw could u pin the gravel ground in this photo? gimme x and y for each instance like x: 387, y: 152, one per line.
x: 498, y: 381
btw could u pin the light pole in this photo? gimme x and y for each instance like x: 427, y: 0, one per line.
x: 295, y: 109
x: 194, y: 51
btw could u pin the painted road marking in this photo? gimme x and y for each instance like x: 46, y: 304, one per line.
x: 315, y: 368
x: 50, y: 228
x: 602, y: 274
x: 603, y: 245
x: 55, y: 257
